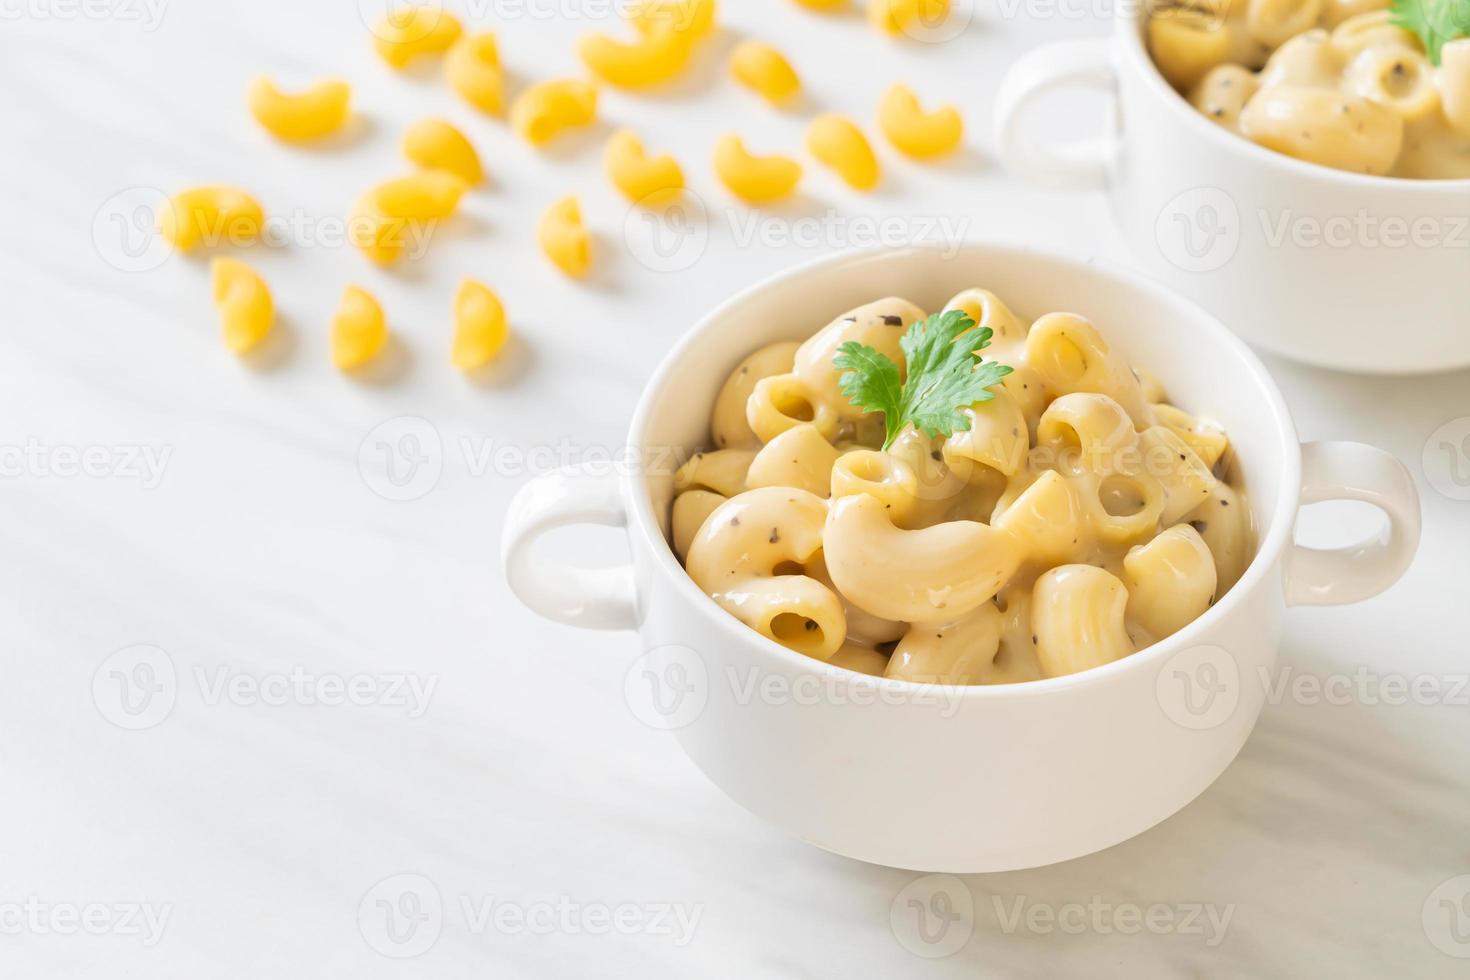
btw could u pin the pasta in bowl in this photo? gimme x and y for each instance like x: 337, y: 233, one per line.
x: 1341, y: 83
x: 958, y: 777
x: 1064, y: 516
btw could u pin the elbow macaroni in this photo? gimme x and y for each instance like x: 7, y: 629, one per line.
x: 318, y: 111
x: 641, y: 178
x: 756, y: 179
x: 839, y: 144
x: 246, y: 310
x: 902, y: 16
x: 656, y: 56
x: 547, y: 109
x: 1335, y: 83
x: 916, y: 132
x: 386, y: 217
x: 480, y: 326
x: 1078, y: 519
x: 763, y: 69
x: 474, y: 71
x: 436, y: 145
x: 403, y: 35
x: 359, y: 329
x: 564, y: 239
x: 210, y: 216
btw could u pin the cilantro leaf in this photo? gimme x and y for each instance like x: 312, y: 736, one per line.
x: 943, y: 376
x: 1437, y: 22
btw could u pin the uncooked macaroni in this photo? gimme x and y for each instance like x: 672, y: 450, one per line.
x: 1072, y: 518
x: 1334, y: 82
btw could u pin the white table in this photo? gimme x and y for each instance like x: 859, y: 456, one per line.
x: 256, y: 820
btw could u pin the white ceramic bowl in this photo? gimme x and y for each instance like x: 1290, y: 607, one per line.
x: 1336, y: 269
x: 960, y: 779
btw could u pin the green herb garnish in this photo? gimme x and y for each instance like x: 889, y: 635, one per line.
x: 1437, y: 22
x: 943, y: 376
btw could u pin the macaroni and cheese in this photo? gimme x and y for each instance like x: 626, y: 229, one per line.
x: 1334, y: 82
x: 1072, y: 517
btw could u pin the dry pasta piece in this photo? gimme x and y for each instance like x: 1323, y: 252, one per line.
x: 543, y: 111
x: 389, y: 216
x: 403, y: 35
x: 474, y: 71
x: 763, y: 69
x: 693, y: 17
x: 656, y: 56
x: 823, y: 4
x: 901, y: 16
x: 480, y: 327
x: 319, y: 110
x: 640, y: 177
x: 917, y: 132
x: 359, y: 329
x: 837, y: 142
x: 564, y: 239
x: 246, y: 309
x: 756, y: 179
x: 436, y: 145
x: 209, y: 216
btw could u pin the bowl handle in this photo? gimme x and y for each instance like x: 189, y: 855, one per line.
x: 1080, y: 165
x: 1353, y: 471
x: 593, y: 598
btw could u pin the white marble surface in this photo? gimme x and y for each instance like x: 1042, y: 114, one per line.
x: 258, y: 829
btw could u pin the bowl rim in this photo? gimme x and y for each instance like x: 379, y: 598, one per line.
x: 644, y: 522
x: 1130, y: 25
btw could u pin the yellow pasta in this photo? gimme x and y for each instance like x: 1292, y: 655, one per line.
x: 640, y: 177
x: 695, y: 18
x: 837, y: 142
x: 903, y: 16
x: 916, y: 132
x: 757, y: 179
x: 403, y: 35
x: 359, y: 329
x: 763, y: 69
x: 823, y: 4
x: 389, y: 216
x: 318, y: 111
x: 729, y: 427
x: 474, y: 71
x: 480, y: 326
x: 545, y: 110
x: 244, y: 303
x: 1077, y: 618
x: 210, y: 216
x: 564, y: 239
x: 656, y: 56
x: 436, y: 145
